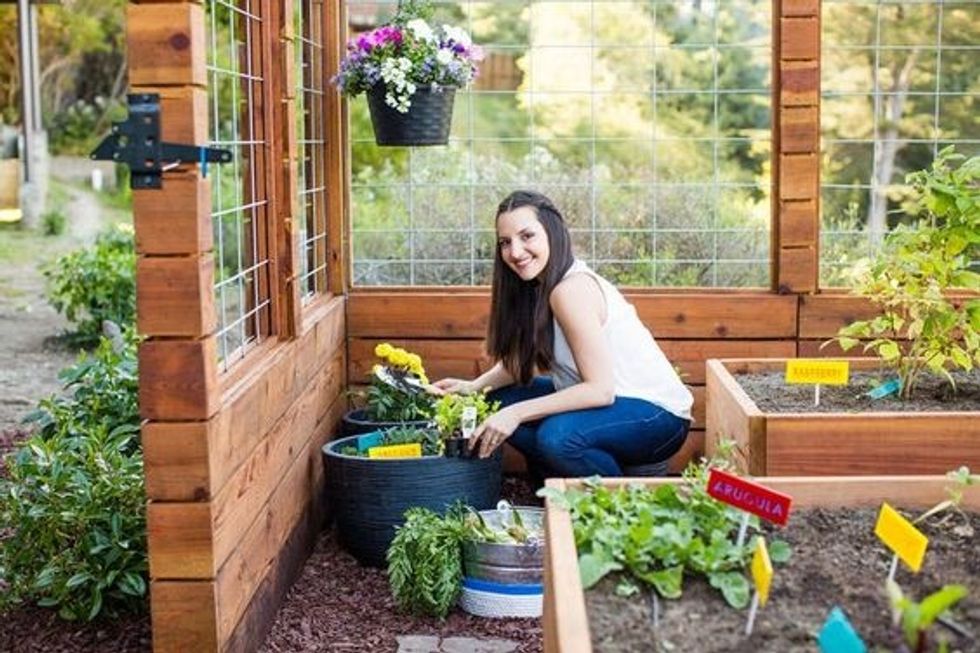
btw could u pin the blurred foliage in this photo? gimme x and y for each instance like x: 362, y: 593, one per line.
x: 96, y: 283
x: 82, y: 58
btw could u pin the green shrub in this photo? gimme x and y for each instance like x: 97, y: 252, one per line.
x: 102, y: 389
x: 53, y: 223
x: 74, y: 500
x: 96, y: 283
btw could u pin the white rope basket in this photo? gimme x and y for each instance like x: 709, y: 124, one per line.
x: 486, y: 599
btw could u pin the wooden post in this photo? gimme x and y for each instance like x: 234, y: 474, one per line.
x: 796, y: 146
x: 179, y: 386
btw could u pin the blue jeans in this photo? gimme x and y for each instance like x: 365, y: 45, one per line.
x: 596, y: 440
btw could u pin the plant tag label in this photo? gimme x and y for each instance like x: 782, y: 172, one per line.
x: 761, y: 570
x: 901, y: 536
x: 889, y: 387
x: 817, y: 372
x: 368, y: 440
x: 839, y: 636
x: 413, y: 450
x: 748, y: 496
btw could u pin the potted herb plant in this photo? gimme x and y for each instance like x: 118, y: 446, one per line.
x: 456, y: 416
x: 925, y: 331
x: 410, y: 71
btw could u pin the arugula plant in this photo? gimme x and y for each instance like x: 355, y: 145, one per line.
x: 916, y: 618
x: 909, y: 280
x: 425, y: 561
x: 656, y: 536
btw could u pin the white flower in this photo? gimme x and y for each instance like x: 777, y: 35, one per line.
x: 457, y: 34
x: 444, y: 56
x: 394, y: 72
x: 421, y: 29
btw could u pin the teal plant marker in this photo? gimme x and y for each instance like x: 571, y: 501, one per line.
x: 889, y: 387
x: 368, y: 440
x: 839, y: 636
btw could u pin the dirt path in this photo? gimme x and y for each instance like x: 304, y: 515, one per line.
x: 30, y: 354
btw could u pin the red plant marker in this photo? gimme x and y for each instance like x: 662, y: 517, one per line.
x: 748, y: 496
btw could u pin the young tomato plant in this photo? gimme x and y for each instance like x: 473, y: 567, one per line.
x: 909, y: 280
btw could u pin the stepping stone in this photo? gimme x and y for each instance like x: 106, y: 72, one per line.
x: 418, y: 644
x: 473, y: 645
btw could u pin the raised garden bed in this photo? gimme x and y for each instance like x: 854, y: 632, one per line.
x: 807, y: 443
x: 834, y: 582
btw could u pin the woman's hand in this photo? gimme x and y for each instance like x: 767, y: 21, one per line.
x: 451, y: 386
x: 492, y: 433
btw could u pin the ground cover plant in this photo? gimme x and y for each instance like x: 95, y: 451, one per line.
x: 909, y: 281
x: 430, y: 442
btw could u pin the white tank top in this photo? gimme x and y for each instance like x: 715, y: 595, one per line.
x: 640, y: 369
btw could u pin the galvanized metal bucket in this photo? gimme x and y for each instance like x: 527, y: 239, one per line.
x: 521, y: 564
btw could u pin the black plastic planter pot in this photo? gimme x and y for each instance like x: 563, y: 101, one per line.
x: 426, y: 123
x: 356, y: 422
x: 369, y: 496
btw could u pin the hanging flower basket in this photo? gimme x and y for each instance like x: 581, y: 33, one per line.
x: 410, y: 70
x: 427, y: 121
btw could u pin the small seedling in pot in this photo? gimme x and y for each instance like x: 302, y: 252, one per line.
x: 457, y: 416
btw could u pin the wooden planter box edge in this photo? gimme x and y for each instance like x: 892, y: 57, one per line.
x: 793, y: 444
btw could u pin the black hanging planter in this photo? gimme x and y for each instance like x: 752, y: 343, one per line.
x: 426, y: 123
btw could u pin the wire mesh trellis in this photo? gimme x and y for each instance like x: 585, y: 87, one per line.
x: 899, y: 84
x: 239, y: 200
x: 646, y: 121
x: 312, y: 218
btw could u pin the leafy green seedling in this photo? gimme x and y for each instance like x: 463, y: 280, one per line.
x: 657, y: 535
x: 917, y: 618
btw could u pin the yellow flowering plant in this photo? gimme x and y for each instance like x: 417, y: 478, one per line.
x: 396, y: 393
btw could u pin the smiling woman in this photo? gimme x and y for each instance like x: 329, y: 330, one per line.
x: 612, y: 398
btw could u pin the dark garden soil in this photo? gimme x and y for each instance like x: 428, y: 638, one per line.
x: 335, y: 605
x: 837, y: 560
x: 772, y: 394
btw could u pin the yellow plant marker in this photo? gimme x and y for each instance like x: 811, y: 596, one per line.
x: 413, y: 450
x: 761, y: 570
x: 817, y: 372
x: 901, y: 536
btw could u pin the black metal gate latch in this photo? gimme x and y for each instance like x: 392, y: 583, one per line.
x: 136, y: 142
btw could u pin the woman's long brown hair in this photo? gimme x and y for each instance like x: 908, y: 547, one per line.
x: 521, y: 330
